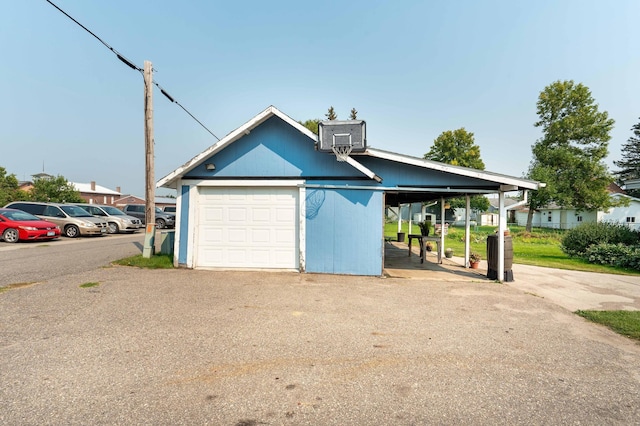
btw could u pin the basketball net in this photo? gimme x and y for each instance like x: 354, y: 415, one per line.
x: 341, y: 151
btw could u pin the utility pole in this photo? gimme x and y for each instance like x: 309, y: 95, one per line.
x: 149, y: 194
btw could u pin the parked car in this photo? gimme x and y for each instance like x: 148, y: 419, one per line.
x: 163, y: 220
x: 117, y: 220
x: 72, y: 220
x: 16, y: 225
x: 169, y: 209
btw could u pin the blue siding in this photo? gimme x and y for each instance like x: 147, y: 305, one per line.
x: 344, y: 227
x: 184, y: 225
x: 396, y: 174
x: 273, y: 149
x: 344, y: 231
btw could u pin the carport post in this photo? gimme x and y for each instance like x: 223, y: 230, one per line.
x: 467, y: 229
x: 502, y: 227
x: 442, y: 230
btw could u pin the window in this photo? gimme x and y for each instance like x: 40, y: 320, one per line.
x: 549, y: 217
x: 579, y: 218
x: 631, y: 219
x: 29, y: 208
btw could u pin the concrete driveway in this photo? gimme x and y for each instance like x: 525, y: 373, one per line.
x: 573, y: 290
x: 254, y: 348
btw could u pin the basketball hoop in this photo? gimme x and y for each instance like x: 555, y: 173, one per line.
x: 342, y: 151
x: 342, y: 137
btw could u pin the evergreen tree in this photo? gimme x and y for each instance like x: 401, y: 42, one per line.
x: 630, y: 163
x: 354, y: 114
x: 331, y: 114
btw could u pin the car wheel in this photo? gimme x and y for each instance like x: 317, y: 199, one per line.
x: 113, y: 228
x: 11, y: 235
x: 160, y: 224
x: 71, y: 231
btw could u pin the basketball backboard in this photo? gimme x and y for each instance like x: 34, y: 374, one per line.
x: 334, y: 134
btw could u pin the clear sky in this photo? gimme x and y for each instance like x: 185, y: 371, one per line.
x: 412, y: 69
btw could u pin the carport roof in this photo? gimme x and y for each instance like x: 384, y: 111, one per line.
x: 484, y: 182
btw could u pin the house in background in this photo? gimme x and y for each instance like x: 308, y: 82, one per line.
x: 264, y: 197
x: 554, y: 216
x: 27, y: 185
x: 96, y: 194
x: 127, y: 199
x: 163, y: 202
x: 160, y: 202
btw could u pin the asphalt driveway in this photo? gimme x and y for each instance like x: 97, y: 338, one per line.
x: 251, y: 348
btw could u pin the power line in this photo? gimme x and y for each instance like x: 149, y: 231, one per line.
x: 168, y: 96
x: 131, y: 65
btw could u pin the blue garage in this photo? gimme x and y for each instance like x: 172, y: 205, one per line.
x: 265, y: 197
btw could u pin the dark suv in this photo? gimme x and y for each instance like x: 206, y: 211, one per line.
x: 163, y: 220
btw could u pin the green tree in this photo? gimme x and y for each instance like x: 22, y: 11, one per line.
x: 569, y: 156
x: 331, y: 114
x: 311, y: 124
x: 354, y: 114
x: 458, y: 148
x: 9, y: 188
x: 630, y: 163
x: 55, y: 190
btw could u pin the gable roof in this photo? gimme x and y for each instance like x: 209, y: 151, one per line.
x: 494, y: 181
x: 86, y: 188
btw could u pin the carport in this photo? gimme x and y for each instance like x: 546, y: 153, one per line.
x: 481, y: 183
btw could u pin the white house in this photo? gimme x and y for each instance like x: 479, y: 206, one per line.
x: 556, y: 217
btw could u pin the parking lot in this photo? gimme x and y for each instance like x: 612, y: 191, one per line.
x: 250, y: 348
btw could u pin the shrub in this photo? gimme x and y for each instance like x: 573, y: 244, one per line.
x: 576, y: 241
x: 619, y: 255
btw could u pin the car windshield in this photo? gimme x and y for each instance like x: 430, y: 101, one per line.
x: 75, y: 211
x: 18, y: 215
x: 113, y: 211
x: 159, y: 210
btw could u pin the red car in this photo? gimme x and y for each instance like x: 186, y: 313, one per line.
x: 18, y: 225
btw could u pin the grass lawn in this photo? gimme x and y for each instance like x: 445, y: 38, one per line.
x: 157, y: 261
x: 626, y: 323
x: 541, y: 247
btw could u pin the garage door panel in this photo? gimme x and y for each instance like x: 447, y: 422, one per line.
x: 248, y: 228
x: 261, y: 215
x: 260, y: 236
x: 284, y: 216
x: 235, y: 196
x: 237, y: 214
x: 213, y: 214
x: 210, y: 235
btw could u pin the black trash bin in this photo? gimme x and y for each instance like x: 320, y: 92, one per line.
x: 401, y: 237
x: 492, y: 258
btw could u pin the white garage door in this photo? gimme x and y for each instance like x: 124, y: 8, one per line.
x: 247, y: 228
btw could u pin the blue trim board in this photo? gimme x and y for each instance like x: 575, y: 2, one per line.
x: 184, y: 225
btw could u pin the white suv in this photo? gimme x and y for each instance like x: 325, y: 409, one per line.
x: 118, y: 221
